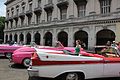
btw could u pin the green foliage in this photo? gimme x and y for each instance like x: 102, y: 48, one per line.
x: 2, y: 22
x: 2, y: 25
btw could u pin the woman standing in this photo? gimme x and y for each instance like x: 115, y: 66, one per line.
x: 78, y: 47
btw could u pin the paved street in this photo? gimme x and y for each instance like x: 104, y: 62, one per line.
x: 12, y: 73
x: 8, y: 71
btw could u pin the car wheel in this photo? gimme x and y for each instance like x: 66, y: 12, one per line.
x: 72, y: 76
x: 26, y: 62
x: 8, y: 55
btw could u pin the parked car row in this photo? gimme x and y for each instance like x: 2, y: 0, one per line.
x: 61, y: 63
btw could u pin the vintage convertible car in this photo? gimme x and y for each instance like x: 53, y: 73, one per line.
x: 63, y: 66
x: 23, y: 54
x: 7, y: 50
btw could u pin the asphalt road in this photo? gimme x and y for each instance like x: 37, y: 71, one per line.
x: 9, y: 71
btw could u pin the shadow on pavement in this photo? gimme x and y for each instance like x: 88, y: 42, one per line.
x: 17, y: 66
x: 39, y: 78
x: 3, y: 57
x: 105, y: 79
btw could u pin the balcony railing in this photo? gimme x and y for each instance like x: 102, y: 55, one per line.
x: 29, y: 13
x: 38, y: 10
x: 15, y: 16
x: 80, y: 1
x: 62, y: 3
x: 48, y: 6
x: 22, y: 14
x: 10, y: 18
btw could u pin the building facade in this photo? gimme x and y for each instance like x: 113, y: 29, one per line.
x: 45, y: 21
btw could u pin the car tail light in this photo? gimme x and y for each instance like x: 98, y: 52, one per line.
x: 35, y: 60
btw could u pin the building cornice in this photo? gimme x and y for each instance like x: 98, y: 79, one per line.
x: 8, y: 2
x: 70, y: 24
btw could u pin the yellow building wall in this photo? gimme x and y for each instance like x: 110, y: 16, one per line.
x: 117, y: 32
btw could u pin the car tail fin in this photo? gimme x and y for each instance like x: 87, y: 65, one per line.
x: 35, y: 60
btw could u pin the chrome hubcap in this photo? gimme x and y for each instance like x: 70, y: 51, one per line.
x: 27, y: 62
x: 72, y: 76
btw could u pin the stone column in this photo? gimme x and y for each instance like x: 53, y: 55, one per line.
x: 32, y: 36
x: 18, y: 38
x: 8, y: 36
x: 19, y: 22
x: 26, y: 21
x: 33, y: 18
x: 42, y: 38
x: 14, y: 24
x: 12, y: 36
x: 6, y: 25
x: 70, y: 37
x: 4, y: 37
x: 54, y: 37
x: 9, y: 25
x: 24, y: 41
x: 91, y: 37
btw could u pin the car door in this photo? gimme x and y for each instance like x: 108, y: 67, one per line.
x: 112, y: 65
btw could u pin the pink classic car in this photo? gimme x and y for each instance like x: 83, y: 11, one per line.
x: 7, y: 50
x: 56, y: 64
x: 22, y: 56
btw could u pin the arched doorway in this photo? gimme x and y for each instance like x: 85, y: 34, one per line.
x: 103, y: 36
x: 48, y: 39
x: 28, y: 36
x: 6, y: 38
x: 63, y: 38
x: 37, y: 38
x: 15, y: 37
x: 82, y: 36
x: 21, y: 37
x: 10, y: 37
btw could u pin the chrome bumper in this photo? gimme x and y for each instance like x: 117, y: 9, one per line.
x: 33, y: 72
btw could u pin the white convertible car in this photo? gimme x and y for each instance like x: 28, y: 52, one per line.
x: 63, y: 66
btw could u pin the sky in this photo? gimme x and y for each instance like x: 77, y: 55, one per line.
x: 2, y: 8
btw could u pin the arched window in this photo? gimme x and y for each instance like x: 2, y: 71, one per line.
x: 63, y: 38
x: 48, y: 39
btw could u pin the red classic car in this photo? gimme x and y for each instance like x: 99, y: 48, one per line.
x: 58, y: 64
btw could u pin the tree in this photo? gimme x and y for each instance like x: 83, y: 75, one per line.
x: 2, y: 25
